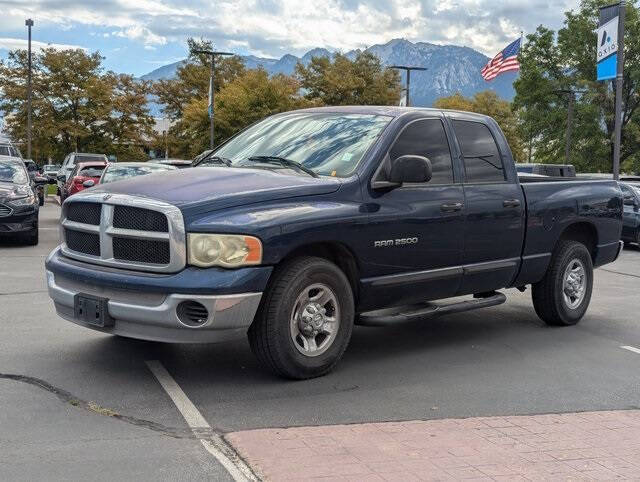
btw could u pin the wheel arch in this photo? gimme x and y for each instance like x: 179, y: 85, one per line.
x: 335, y: 252
x: 582, y: 232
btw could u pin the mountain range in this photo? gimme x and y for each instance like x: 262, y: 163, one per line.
x: 451, y: 69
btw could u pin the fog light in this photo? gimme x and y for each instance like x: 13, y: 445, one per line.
x: 192, y: 313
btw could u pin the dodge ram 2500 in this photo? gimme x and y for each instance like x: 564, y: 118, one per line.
x: 309, y: 222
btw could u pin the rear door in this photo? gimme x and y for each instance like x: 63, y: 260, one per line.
x: 494, y: 209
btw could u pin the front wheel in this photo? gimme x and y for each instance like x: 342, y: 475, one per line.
x: 305, y: 319
x: 562, y: 297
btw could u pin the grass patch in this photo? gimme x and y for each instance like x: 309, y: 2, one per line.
x: 52, y: 189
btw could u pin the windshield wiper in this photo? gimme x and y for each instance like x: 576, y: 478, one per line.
x: 217, y: 159
x: 283, y: 161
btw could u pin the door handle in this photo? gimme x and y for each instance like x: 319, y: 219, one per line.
x: 451, y: 207
x: 511, y: 203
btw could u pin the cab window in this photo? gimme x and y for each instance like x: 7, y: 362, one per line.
x: 482, y: 160
x: 426, y: 138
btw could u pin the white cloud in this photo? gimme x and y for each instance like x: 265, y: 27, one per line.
x: 17, y: 43
x: 142, y: 34
x: 275, y: 27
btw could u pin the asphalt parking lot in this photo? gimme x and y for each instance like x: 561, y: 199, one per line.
x: 80, y: 404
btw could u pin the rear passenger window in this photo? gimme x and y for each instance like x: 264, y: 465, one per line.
x: 482, y: 162
x: 426, y: 138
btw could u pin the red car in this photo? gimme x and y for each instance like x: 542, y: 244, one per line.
x: 84, y: 175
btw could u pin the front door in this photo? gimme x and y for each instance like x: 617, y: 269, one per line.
x: 415, y: 231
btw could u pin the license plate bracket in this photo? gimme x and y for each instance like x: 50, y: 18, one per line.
x: 92, y: 310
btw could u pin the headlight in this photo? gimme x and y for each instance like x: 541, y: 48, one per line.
x: 23, y: 200
x: 226, y: 250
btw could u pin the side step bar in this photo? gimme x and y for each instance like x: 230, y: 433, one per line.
x: 405, y: 314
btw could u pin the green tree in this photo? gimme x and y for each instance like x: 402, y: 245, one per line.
x: 488, y: 103
x: 247, y: 99
x: 192, y: 79
x: 551, y: 63
x: 76, y: 106
x: 340, y: 81
x: 241, y: 97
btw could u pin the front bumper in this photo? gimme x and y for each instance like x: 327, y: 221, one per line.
x: 25, y: 219
x: 151, y: 314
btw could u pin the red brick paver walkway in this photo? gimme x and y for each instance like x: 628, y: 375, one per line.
x: 575, y: 446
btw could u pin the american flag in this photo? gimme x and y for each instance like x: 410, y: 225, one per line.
x: 505, y: 61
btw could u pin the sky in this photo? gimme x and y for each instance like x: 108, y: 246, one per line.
x: 137, y: 36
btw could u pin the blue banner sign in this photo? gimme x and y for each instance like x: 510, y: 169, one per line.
x: 607, y: 47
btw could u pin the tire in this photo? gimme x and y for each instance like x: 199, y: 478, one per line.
x: 31, y: 238
x: 41, y: 200
x: 554, y: 305
x: 295, y: 292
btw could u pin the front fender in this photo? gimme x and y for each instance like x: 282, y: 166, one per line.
x: 285, y: 226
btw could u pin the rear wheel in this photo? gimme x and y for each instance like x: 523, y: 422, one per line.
x: 305, y: 319
x: 562, y: 297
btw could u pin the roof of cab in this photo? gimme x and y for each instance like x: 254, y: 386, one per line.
x: 392, y: 111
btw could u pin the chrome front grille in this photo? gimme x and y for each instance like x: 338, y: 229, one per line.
x: 5, y: 211
x: 129, y: 217
x: 86, y: 213
x: 124, y: 231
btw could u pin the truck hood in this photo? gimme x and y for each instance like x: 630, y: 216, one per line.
x: 204, y: 189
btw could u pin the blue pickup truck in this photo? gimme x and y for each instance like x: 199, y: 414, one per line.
x: 311, y: 221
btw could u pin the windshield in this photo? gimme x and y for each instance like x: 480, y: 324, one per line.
x: 89, y: 158
x: 330, y: 144
x: 13, y: 172
x: 9, y: 151
x: 93, y: 171
x: 117, y: 173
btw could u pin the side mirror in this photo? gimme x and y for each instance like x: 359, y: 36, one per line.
x: 410, y: 168
x: 89, y: 183
x: 61, y: 177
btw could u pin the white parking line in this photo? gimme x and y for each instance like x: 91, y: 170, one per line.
x: 631, y: 348
x: 214, y: 444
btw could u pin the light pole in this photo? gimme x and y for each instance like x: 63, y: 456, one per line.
x: 408, y: 71
x: 617, y: 137
x: 29, y: 24
x: 212, y: 54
